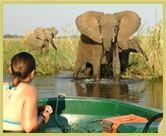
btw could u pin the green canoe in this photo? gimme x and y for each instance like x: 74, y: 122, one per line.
x: 84, y: 115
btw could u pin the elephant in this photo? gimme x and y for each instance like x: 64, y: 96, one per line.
x: 102, y: 33
x: 134, y: 46
x: 41, y: 37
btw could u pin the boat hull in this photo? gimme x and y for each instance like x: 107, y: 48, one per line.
x: 81, y: 114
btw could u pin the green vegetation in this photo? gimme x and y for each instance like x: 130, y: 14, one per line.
x: 11, y: 36
x: 152, y: 44
x: 64, y: 58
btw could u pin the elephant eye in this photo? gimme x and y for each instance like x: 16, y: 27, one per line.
x: 116, y: 28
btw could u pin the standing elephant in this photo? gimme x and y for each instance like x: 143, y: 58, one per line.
x: 134, y: 46
x: 41, y: 37
x: 98, y: 32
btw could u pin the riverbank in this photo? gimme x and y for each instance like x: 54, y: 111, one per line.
x: 64, y: 58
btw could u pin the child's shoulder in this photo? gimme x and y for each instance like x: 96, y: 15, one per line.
x: 27, y: 87
x: 5, y: 83
x: 28, y: 90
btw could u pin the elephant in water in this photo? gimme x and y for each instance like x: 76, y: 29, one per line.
x: 102, y: 33
x: 41, y: 37
x: 134, y: 46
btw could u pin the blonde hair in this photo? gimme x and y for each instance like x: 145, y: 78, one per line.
x: 22, y: 64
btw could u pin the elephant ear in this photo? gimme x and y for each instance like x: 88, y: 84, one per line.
x: 88, y: 24
x: 53, y: 30
x: 39, y: 33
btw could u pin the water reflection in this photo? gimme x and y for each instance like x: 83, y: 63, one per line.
x: 101, y: 90
x: 154, y: 94
x: 118, y: 92
x: 146, y: 93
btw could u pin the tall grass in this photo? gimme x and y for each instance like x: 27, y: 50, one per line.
x: 64, y: 58
x: 27, y: 33
x: 61, y: 59
x: 152, y: 44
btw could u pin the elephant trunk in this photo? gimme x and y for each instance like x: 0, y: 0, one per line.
x: 139, y: 49
x: 53, y: 45
x: 108, y: 38
x: 107, y: 42
x: 107, y: 46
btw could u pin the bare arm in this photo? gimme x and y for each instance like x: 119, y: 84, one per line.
x: 30, y: 121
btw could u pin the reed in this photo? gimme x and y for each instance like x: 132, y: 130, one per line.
x: 27, y: 33
x: 152, y: 44
x: 64, y: 58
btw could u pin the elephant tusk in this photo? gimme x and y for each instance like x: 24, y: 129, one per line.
x: 101, y: 37
x: 113, y: 39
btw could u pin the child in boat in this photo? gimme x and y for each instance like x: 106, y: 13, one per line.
x: 20, y: 108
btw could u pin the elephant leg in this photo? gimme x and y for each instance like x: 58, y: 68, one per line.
x: 41, y: 51
x: 96, y: 70
x: 116, y: 63
x: 79, y: 63
x: 78, y: 68
x: 46, y: 48
x: 124, y: 57
x: 88, y: 70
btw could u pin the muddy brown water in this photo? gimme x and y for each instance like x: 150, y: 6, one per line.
x: 148, y: 94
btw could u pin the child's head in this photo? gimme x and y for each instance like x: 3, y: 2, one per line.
x: 22, y: 65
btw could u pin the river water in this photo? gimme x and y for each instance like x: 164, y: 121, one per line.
x: 148, y: 94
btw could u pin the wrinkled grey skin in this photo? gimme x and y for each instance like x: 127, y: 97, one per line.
x: 41, y: 38
x: 102, y: 30
x: 134, y: 46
